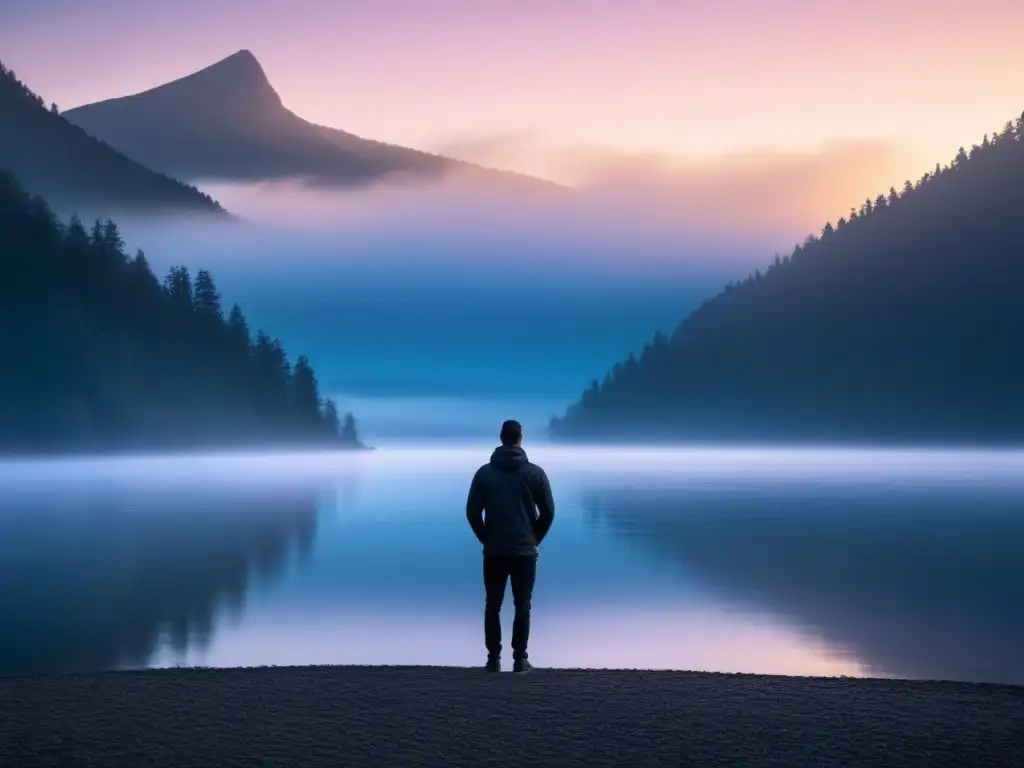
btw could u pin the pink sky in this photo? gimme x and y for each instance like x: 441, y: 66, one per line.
x: 677, y: 77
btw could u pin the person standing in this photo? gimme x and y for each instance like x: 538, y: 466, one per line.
x: 510, y: 509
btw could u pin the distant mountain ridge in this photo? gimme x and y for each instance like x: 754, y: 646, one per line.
x: 76, y: 172
x: 227, y: 122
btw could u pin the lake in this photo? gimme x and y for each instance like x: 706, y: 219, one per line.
x: 823, y: 562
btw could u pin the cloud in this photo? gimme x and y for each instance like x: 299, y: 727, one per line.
x: 523, y: 151
x: 760, y: 191
x: 620, y: 207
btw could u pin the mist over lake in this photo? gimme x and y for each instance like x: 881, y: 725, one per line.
x: 892, y: 563
x: 417, y: 303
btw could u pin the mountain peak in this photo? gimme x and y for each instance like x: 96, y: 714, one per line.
x: 227, y: 122
x: 236, y: 85
x: 238, y: 80
x: 240, y: 63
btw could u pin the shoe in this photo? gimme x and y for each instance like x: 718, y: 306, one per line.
x: 521, y: 666
x: 493, y: 665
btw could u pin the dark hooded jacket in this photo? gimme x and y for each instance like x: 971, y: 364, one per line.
x: 510, y: 506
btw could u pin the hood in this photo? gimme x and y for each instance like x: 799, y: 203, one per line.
x: 508, y: 458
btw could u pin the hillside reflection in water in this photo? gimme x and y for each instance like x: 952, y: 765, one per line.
x: 795, y: 562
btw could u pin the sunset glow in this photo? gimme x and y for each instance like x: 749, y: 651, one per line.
x: 693, y: 78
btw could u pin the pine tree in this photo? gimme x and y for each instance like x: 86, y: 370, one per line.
x: 205, y: 299
x: 349, y: 434
x: 238, y: 332
x: 178, y: 288
x: 332, y: 423
x: 305, y: 394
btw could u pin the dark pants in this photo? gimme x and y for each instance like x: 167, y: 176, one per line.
x: 498, y: 570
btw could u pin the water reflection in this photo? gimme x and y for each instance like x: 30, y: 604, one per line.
x: 104, y: 571
x: 913, y: 580
x: 787, y: 562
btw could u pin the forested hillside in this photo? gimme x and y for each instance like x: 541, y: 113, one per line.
x: 902, y: 321
x: 99, y: 354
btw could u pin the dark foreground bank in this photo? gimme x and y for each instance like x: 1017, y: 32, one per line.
x: 377, y: 716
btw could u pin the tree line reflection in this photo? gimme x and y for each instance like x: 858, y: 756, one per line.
x: 920, y: 584
x: 99, y: 578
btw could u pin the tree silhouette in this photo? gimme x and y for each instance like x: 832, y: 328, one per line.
x: 178, y: 287
x: 333, y: 424
x: 205, y: 298
x: 305, y: 393
x: 348, y: 428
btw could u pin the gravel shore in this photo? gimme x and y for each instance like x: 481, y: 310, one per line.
x: 434, y: 716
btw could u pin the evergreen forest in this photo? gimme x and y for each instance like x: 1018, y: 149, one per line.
x: 100, y: 354
x: 903, y: 322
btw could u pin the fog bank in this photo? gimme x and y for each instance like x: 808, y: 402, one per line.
x: 434, y: 305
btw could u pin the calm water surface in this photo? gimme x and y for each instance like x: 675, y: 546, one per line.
x: 880, y: 563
